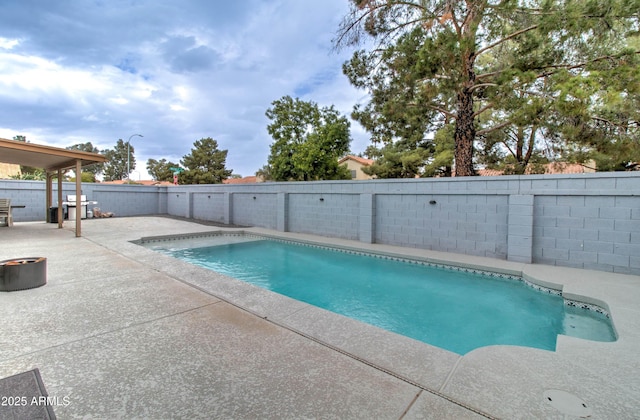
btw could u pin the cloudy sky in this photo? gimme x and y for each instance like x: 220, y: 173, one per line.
x: 174, y: 71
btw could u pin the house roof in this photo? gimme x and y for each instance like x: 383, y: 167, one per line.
x: 489, y: 172
x: 45, y: 157
x: 147, y: 182
x: 360, y: 160
x: 567, y: 168
x: 552, y: 168
x: 245, y: 180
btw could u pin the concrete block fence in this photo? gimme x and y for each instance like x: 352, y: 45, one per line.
x: 587, y: 221
x: 132, y: 200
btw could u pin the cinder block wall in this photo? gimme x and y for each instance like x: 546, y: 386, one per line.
x: 327, y: 214
x: 30, y: 194
x: 127, y: 200
x: 588, y: 221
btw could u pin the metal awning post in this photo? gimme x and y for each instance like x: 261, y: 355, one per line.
x: 78, y: 198
x: 49, y: 196
x: 60, y: 211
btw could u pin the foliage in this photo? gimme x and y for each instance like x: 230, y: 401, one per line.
x: 117, y: 165
x: 161, y: 170
x: 395, y: 115
x: 85, y: 177
x: 395, y: 160
x: 441, y: 161
x: 599, y: 112
x: 95, y: 168
x: 573, y: 111
x: 264, y: 173
x: 308, y: 141
x: 33, y: 174
x: 205, y: 164
x: 507, y: 74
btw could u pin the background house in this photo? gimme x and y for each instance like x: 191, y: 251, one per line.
x: 8, y: 170
x: 245, y: 180
x: 355, y: 165
x: 148, y: 182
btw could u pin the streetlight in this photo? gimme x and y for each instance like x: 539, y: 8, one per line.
x: 129, y: 154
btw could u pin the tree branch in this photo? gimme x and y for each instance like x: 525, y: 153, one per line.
x: 494, y: 128
x: 481, y: 85
x: 578, y: 65
x: 615, y: 124
x: 356, y: 18
x: 483, y: 109
x: 454, y: 19
x: 507, y: 38
x: 443, y: 111
x: 531, y: 143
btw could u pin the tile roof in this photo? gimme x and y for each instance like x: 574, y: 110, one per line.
x: 245, y: 180
x: 361, y: 160
x: 552, y: 168
x: 148, y: 182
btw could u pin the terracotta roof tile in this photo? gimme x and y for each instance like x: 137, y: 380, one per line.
x: 358, y: 159
x: 245, y: 180
x: 552, y: 168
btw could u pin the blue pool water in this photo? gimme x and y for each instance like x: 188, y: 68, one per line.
x: 454, y: 310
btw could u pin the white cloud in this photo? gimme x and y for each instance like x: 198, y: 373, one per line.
x: 174, y: 72
x: 8, y: 44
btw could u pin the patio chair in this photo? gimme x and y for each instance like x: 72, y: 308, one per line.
x: 5, y: 211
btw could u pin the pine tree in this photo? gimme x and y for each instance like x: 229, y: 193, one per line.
x: 461, y: 62
x: 119, y: 159
x: 205, y: 164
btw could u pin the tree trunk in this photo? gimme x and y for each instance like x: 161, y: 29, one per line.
x: 464, y: 135
x: 465, y: 132
x: 465, y: 125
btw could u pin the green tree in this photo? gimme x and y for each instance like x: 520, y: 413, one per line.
x: 264, y: 173
x: 433, y: 52
x: 161, y: 170
x: 34, y: 174
x: 118, y: 160
x: 94, y: 169
x: 396, y: 160
x: 441, y: 161
x: 308, y: 141
x: 205, y: 164
x: 573, y: 111
x: 598, y: 112
x: 84, y: 177
x: 396, y: 117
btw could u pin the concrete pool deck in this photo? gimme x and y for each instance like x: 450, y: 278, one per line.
x: 120, y: 331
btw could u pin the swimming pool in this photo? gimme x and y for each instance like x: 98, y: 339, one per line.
x: 447, y: 307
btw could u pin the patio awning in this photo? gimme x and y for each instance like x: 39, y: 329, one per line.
x: 51, y: 159
x: 45, y: 157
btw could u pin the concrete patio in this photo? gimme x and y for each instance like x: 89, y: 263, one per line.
x: 121, y: 331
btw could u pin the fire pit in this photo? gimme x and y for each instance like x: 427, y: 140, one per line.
x: 22, y: 273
